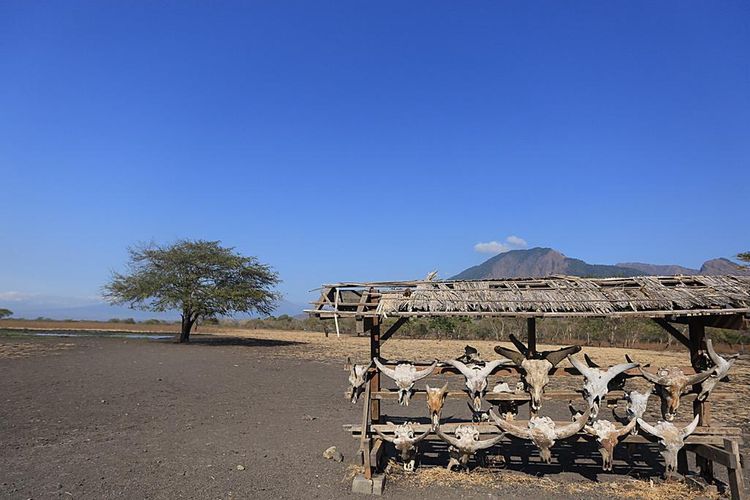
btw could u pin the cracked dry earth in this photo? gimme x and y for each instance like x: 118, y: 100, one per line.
x: 91, y: 417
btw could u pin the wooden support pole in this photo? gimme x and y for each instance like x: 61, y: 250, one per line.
x: 531, y: 334
x: 375, y: 379
x: 697, y: 345
x: 736, y: 481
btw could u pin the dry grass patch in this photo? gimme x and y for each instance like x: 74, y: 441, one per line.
x: 491, y: 479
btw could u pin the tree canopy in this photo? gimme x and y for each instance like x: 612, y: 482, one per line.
x: 4, y: 313
x: 744, y: 257
x: 200, y: 278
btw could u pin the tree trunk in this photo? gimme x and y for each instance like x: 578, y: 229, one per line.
x: 187, y: 325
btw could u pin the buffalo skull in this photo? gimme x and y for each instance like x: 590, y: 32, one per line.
x: 542, y: 431
x: 607, y: 436
x: 597, y: 383
x: 465, y: 444
x: 435, y: 401
x: 671, y: 383
x: 475, y: 376
x: 405, y: 442
x: 357, y: 379
x: 535, y: 367
x: 635, y: 409
x: 405, y: 375
x: 671, y: 439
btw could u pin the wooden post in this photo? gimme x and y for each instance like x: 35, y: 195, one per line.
x: 375, y: 379
x: 531, y: 334
x: 736, y: 481
x: 697, y: 338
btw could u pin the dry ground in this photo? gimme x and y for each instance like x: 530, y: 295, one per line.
x: 103, y: 418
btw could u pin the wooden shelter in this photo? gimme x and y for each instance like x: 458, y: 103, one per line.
x: 697, y: 301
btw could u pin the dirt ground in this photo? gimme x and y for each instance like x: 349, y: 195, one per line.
x: 241, y: 417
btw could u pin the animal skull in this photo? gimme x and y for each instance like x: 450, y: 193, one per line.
x: 405, y: 442
x: 405, y: 375
x: 435, y: 401
x: 671, y: 439
x: 465, y: 444
x: 671, y: 383
x: 721, y: 367
x: 357, y: 379
x: 535, y: 367
x: 476, y: 377
x: 607, y: 435
x: 542, y: 431
x: 596, y: 386
x: 636, y: 407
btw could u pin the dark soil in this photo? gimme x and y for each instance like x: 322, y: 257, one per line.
x: 110, y: 417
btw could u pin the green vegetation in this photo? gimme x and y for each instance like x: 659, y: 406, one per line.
x: 5, y: 313
x: 744, y: 257
x: 200, y: 278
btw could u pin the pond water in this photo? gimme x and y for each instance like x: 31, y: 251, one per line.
x: 91, y: 333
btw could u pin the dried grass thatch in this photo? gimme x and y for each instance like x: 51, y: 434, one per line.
x: 551, y: 296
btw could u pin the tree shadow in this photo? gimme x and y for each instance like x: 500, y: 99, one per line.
x: 236, y: 341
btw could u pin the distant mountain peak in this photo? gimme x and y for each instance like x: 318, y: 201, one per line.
x: 541, y: 261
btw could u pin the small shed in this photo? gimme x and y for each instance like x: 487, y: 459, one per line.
x: 696, y: 301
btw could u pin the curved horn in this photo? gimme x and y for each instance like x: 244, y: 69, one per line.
x: 583, y: 369
x: 389, y: 372
x: 650, y: 377
x: 690, y: 428
x: 421, y: 436
x: 490, y: 366
x: 420, y: 374
x: 519, y: 345
x: 383, y: 436
x: 458, y: 365
x: 555, y: 357
x: 626, y: 429
x: 699, y: 377
x: 649, y: 428
x: 589, y: 430
x: 487, y: 443
x: 618, y: 369
x: 589, y: 361
x: 448, y: 439
x: 509, y: 427
x: 514, y: 356
x: 571, y: 429
x: 712, y: 353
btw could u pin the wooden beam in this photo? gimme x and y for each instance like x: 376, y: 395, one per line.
x: 375, y: 379
x: 736, y: 480
x: 737, y: 321
x: 394, y: 327
x: 531, y: 335
x: 674, y: 332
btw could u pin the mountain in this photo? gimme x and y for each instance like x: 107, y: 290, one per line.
x: 538, y: 262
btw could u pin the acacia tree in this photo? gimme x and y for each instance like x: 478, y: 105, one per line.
x: 4, y: 313
x: 744, y: 257
x: 200, y: 278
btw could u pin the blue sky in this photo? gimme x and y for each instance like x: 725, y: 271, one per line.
x: 369, y: 140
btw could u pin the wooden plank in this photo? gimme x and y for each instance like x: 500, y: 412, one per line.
x: 736, y: 321
x: 736, y: 480
x: 364, y: 444
x: 375, y: 378
x: 715, y: 454
x: 376, y: 454
x: 531, y: 335
x: 488, y: 428
x: 514, y: 370
x: 493, y: 397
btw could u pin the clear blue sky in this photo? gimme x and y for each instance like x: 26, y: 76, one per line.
x: 369, y: 140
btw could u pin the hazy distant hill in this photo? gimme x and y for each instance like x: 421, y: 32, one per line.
x: 537, y: 262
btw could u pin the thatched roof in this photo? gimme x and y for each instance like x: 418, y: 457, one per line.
x: 649, y: 296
